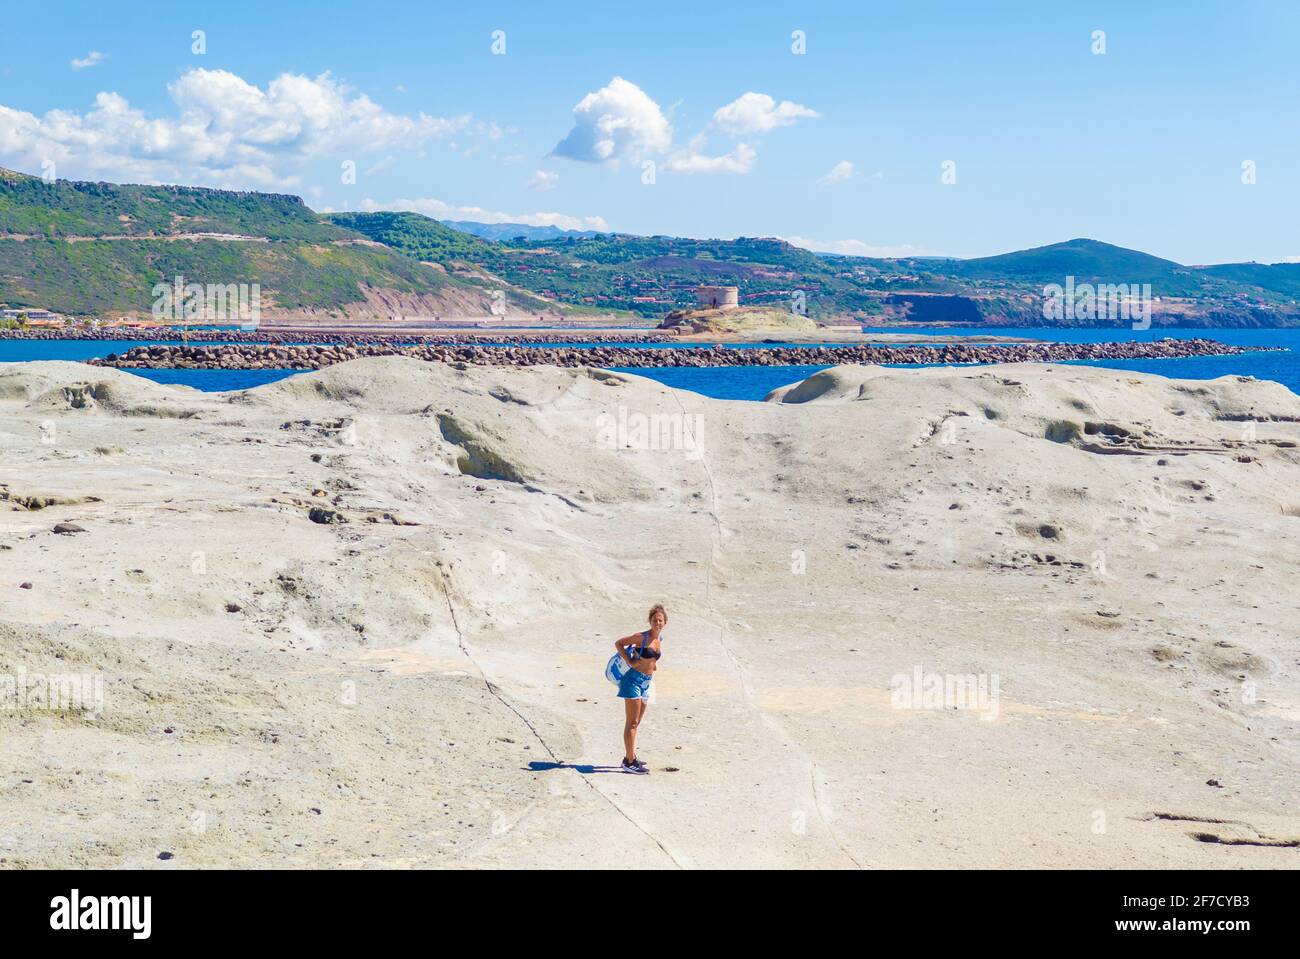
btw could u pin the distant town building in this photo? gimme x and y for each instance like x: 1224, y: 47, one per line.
x: 31, y: 316
x: 717, y: 297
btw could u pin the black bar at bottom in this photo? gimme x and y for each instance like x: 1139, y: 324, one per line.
x: 334, y: 908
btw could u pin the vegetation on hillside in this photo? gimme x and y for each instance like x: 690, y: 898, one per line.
x: 655, y: 275
x: 417, y: 236
x: 30, y: 206
x: 99, y: 248
x: 109, y: 276
x: 515, y: 231
x: 649, y: 276
x: 1281, y: 278
x: 94, y: 248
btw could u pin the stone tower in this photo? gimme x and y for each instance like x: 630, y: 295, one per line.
x: 717, y: 297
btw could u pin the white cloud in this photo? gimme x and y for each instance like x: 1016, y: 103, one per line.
x: 739, y: 160
x: 854, y: 247
x: 439, y: 210
x: 614, y: 123
x: 839, y: 173
x: 759, y: 113
x: 544, y: 180
x: 91, y: 59
x: 620, y: 121
x: 225, y: 132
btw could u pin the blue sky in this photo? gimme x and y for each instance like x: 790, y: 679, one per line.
x: 841, y: 147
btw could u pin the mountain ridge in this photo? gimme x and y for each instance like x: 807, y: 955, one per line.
x: 87, y: 248
x: 94, y: 248
x: 509, y: 231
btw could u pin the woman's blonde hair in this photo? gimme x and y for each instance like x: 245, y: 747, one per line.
x: 657, y: 608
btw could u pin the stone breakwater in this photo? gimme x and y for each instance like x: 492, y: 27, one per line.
x: 394, y: 339
x: 315, y: 357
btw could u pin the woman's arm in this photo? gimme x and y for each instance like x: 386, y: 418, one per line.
x: 621, y: 646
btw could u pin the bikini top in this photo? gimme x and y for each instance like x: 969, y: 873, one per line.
x: 645, y: 652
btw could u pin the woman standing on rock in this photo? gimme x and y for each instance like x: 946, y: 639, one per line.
x: 641, y: 652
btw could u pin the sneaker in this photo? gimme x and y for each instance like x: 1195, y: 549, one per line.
x: 634, y: 766
x: 636, y: 761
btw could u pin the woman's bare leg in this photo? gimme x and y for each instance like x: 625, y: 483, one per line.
x: 643, y: 704
x: 632, y: 710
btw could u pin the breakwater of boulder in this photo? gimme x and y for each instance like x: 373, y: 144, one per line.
x: 236, y: 356
x: 395, y: 338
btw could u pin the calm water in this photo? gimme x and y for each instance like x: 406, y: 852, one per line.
x: 1282, y: 367
x: 755, y: 382
x: 211, y: 381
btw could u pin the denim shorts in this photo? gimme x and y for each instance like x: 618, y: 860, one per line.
x: 634, y: 685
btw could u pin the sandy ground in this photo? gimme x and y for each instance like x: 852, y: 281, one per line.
x: 1114, y: 555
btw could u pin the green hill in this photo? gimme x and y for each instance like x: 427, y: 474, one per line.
x: 647, y: 276
x: 99, y: 248
x: 109, y: 277
x: 31, y: 206
x: 1089, y: 261
x: 1282, y: 278
x: 416, y: 235
x: 1086, y: 260
x: 511, y: 231
x: 654, y: 275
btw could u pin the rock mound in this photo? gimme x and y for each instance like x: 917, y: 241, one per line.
x: 745, y: 320
x: 57, y: 385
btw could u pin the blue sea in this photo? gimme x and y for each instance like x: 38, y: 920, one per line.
x: 755, y: 382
